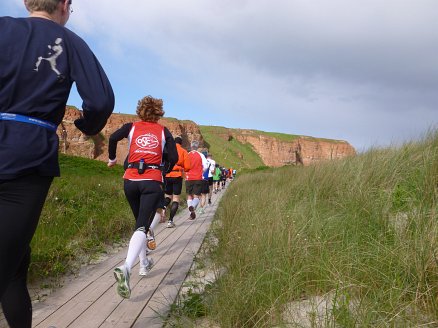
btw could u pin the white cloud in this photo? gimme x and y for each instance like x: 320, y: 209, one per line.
x: 347, y: 69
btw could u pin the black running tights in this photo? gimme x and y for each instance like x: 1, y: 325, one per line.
x: 21, y: 202
x: 173, y: 210
x: 144, y: 198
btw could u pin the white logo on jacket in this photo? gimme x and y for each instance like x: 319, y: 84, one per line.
x: 57, y: 51
x: 147, y: 141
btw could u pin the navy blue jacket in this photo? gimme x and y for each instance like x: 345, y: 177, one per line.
x: 39, y: 61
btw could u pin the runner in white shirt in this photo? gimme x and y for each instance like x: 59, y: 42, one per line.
x: 212, y: 166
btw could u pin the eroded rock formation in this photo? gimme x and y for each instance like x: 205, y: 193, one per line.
x: 299, y: 150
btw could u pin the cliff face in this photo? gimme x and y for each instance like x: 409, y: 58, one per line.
x: 301, y: 150
x: 272, y: 150
x: 73, y: 142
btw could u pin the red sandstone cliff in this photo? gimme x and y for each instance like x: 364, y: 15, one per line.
x: 273, y: 151
x: 300, y: 150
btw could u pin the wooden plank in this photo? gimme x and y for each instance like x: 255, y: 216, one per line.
x: 158, y: 308
x: 63, y: 295
x: 87, y: 276
x: 137, y: 284
x: 126, y: 314
x: 89, y: 296
x: 64, y: 301
x: 91, y: 299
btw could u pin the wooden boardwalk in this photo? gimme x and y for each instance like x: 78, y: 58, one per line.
x: 90, y: 300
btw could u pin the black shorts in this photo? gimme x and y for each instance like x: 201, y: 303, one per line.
x: 173, y: 186
x: 210, y: 181
x: 194, y: 187
x: 205, y: 187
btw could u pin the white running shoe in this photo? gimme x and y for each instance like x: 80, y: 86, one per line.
x: 122, y: 276
x: 144, y: 269
x: 170, y: 224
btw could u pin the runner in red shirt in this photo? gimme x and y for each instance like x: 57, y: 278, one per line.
x: 150, y: 145
x: 194, y: 178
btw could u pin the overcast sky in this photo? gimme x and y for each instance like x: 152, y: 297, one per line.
x: 361, y: 71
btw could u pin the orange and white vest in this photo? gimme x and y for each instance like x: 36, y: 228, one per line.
x: 146, y: 141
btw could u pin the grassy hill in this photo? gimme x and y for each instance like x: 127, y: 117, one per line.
x: 229, y: 152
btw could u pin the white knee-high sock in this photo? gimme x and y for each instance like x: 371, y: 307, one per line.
x: 189, y: 202
x: 143, y: 256
x: 195, y: 202
x: 155, y: 221
x: 136, y: 244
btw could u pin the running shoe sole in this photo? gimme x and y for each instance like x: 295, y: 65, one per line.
x: 123, y: 288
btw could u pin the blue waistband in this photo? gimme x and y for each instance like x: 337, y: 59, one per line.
x: 27, y: 119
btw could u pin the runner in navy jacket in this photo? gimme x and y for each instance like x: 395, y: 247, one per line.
x: 39, y: 61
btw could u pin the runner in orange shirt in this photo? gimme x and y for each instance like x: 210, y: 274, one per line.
x: 194, y: 178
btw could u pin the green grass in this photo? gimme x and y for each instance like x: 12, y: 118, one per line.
x: 85, y: 211
x: 363, y: 230
x: 280, y: 136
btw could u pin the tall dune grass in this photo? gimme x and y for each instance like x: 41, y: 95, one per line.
x: 364, y: 229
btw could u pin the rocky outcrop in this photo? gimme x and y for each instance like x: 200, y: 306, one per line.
x: 273, y: 150
x: 298, y: 150
x: 74, y: 142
